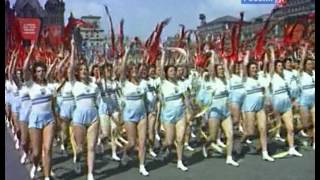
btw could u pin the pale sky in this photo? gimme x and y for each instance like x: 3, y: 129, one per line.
x: 141, y: 16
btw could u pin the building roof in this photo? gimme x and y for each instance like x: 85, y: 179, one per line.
x: 19, y: 5
x: 223, y: 19
x: 263, y: 17
x: 90, y: 17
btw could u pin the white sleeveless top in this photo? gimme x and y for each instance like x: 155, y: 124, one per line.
x: 85, y: 94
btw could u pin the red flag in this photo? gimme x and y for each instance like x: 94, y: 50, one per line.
x: 112, y: 36
x: 153, y: 46
x: 54, y: 34
x: 120, y: 48
x: 29, y: 28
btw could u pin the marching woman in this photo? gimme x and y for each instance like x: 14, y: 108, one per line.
x: 218, y: 112
x: 85, y: 120
x: 151, y: 99
x: 173, y: 115
x: 307, y: 96
x: 281, y: 102
x: 65, y: 101
x: 133, y: 112
x: 253, y: 107
x: 15, y: 82
x: 236, y: 92
x: 41, y: 117
x: 109, y: 109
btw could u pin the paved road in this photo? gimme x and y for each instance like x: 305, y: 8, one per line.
x: 251, y: 168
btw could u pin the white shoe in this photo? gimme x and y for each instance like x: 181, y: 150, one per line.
x: 193, y: 135
x: 303, y: 134
x: 33, y: 172
x: 15, y: 138
x: 62, y: 147
x: 248, y: 141
x: 294, y: 152
x: 216, y: 147
x: 152, y: 153
x: 46, y: 178
x: 240, y: 129
x: 188, y: 147
x: 52, y: 173
x: 17, y: 146
x: 204, y: 152
x: 279, y: 138
x: 266, y: 157
x: 39, y: 168
x: 143, y: 171
x: 220, y: 143
x: 115, y: 157
x: 74, y: 159
x: 181, y: 166
x: 90, y: 177
x: 158, y: 137
x: 23, y: 158
x: 230, y: 161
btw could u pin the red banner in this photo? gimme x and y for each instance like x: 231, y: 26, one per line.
x: 29, y: 28
x: 54, y: 34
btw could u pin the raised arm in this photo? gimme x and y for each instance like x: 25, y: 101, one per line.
x: 226, y: 70
x: 26, y: 71
x: 303, y: 57
x: 245, y: 63
x: 162, y: 61
x: 124, y: 64
x: 13, y: 57
x: 72, y: 62
x: 52, y: 66
x: 273, y: 59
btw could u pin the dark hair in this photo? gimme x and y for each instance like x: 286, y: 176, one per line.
x: 277, y: 62
x: 166, y: 68
x: 77, y: 69
x: 287, y: 59
x: 305, y: 62
x: 34, y: 67
x: 93, y: 67
x: 248, y: 67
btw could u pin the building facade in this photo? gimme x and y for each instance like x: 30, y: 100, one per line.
x: 93, y: 37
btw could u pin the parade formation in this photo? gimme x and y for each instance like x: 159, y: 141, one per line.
x: 148, y: 97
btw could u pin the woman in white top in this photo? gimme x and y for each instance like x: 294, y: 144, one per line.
x: 253, y: 107
x: 151, y: 99
x: 134, y: 112
x: 85, y: 120
x: 41, y: 118
x: 281, y: 102
x: 219, y: 110
x: 15, y: 82
x: 109, y: 110
x: 237, y: 93
x: 173, y: 114
x: 307, y: 96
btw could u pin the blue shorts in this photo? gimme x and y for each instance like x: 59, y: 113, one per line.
x: 236, y: 97
x: 281, y: 103
x: 252, y: 103
x: 171, y: 113
x: 66, y: 110
x: 219, y: 113
x: 15, y: 105
x: 295, y: 93
x: 133, y: 111
x: 39, y: 119
x: 108, y: 107
x: 307, y: 101
x: 24, y: 113
x: 84, y: 115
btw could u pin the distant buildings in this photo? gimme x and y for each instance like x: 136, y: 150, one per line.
x: 92, y: 37
x: 284, y: 15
